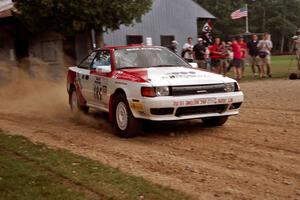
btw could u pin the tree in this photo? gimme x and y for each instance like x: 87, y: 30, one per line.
x: 70, y: 17
x: 279, y: 17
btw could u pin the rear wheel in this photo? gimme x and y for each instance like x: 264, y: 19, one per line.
x: 215, y: 121
x: 126, y: 124
x: 74, y: 104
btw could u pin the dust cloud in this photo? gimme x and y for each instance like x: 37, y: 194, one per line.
x: 38, y: 93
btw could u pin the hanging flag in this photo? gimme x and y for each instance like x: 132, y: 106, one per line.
x: 207, y: 28
x: 243, y: 12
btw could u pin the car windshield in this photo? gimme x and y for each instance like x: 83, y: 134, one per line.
x: 147, y: 57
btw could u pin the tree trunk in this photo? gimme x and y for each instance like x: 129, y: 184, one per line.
x: 99, y: 39
x: 282, y: 43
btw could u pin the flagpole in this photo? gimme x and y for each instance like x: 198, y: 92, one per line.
x: 247, y: 21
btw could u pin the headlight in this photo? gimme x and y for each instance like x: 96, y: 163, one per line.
x: 162, y: 91
x: 229, y: 87
x: 155, y: 91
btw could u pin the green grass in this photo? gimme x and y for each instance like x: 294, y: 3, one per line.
x: 281, y: 66
x: 30, y: 171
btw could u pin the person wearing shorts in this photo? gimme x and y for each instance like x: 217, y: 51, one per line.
x: 265, y: 46
x: 237, y: 59
x: 215, y: 56
x: 243, y: 46
x: 253, y: 52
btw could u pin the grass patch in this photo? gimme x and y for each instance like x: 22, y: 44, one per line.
x: 31, y: 171
x: 281, y: 67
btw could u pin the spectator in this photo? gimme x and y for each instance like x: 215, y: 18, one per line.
x: 199, y: 53
x: 265, y: 46
x: 207, y: 39
x: 243, y: 46
x: 173, y: 46
x: 253, y: 52
x: 297, y: 46
x: 224, y: 58
x: 215, y: 55
x: 237, y: 59
x: 187, y: 50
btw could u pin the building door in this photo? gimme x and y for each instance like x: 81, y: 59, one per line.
x: 134, y: 39
x: 21, y: 48
x: 166, y: 40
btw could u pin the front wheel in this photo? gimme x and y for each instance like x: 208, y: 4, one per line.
x: 126, y: 124
x: 74, y: 104
x: 215, y: 121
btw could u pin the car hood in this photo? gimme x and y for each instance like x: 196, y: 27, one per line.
x: 175, y: 76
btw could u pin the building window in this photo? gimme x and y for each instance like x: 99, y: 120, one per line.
x: 166, y: 40
x: 134, y: 39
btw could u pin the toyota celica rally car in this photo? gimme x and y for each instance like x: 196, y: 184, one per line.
x: 136, y: 83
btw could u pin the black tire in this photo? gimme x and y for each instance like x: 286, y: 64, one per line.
x: 215, y: 121
x: 74, y: 104
x: 127, y: 126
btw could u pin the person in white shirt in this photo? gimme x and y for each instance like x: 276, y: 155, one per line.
x: 265, y: 46
x: 297, y: 47
x: 187, y: 50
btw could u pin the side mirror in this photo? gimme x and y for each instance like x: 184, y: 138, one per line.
x: 194, y: 65
x: 104, y: 68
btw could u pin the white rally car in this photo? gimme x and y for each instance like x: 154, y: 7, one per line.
x: 135, y: 83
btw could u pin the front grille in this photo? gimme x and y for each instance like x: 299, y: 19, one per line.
x: 197, y: 89
x: 194, y: 110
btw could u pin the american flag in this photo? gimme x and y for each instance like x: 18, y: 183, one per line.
x: 243, y: 12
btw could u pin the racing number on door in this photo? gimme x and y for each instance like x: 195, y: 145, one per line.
x: 98, y: 91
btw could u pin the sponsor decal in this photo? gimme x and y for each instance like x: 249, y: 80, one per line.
x: 203, y: 101
x: 184, y: 74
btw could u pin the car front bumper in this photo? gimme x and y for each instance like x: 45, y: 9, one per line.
x: 170, y: 108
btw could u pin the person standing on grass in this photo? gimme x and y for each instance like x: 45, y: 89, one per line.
x: 297, y: 47
x: 243, y: 46
x: 237, y: 59
x: 265, y: 46
x: 187, y: 50
x: 199, y: 54
x: 215, y: 56
x: 253, y: 52
x: 224, y: 59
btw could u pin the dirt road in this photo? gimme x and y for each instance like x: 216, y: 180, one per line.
x: 256, y: 155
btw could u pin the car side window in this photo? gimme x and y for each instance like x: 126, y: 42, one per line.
x: 102, y: 59
x: 86, y: 63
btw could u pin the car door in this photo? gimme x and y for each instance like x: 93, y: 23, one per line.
x: 83, y: 77
x: 100, y: 68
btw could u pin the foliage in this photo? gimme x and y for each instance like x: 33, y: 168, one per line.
x: 69, y: 17
x: 279, y: 17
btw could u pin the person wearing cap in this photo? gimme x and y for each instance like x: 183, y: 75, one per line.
x: 173, y: 46
x: 199, y: 54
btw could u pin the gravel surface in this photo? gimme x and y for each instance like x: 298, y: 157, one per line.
x: 256, y: 155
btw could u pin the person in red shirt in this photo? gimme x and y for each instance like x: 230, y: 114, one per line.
x: 244, y: 47
x: 215, y: 55
x: 237, y: 59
